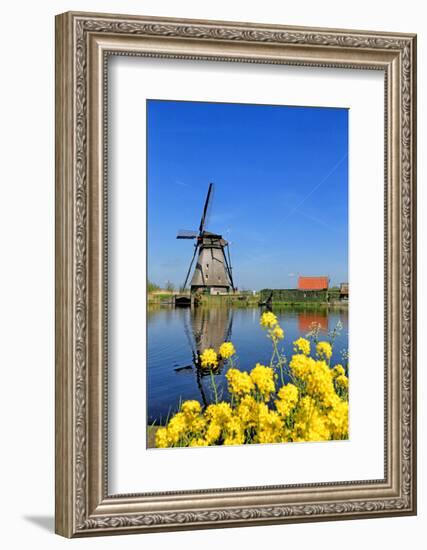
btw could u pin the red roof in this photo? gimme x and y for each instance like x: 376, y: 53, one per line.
x: 313, y: 283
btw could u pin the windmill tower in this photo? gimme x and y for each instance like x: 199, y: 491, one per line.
x: 213, y: 272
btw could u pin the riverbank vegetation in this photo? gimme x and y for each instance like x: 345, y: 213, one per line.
x: 163, y: 297
x: 284, y: 298
x: 303, y: 399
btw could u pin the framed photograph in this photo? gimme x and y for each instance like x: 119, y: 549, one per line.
x: 235, y: 274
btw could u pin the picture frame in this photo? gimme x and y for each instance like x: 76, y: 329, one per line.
x: 84, y: 41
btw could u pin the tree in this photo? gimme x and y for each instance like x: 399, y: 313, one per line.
x: 152, y: 286
x: 170, y: 287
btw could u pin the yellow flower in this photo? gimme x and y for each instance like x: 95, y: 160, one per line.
x: 239, y: 440
x: 310, y: 423
x: 213, y: 433
x: 277, y: 333
x: 337, y: 419
x: 239, y: 382
x: 198, y: 442
x: 302, y: 345
x: 191, y: 409
x: 176, y: 428
x: 269, y: 425
x: 263, y: 378
x: 288, y: 398
x: 226, y: 350
x: 316, y: 376
x: 342, y: 381
x: 324, y: 350
x: 338, y: 370
x: 161, y: 438
x: 301, y: 364
x: 198, y: 424
x: 209, y: 358
x: 219, y: 412
x: 268, y: 320
x: 247, y: 411
x: 288, y: 393
x: 235, y: 434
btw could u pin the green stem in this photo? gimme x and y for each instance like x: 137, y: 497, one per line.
x: 214, y: 386
x: 279, y: 361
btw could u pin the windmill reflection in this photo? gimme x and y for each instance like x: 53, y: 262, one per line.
x: 211, y: 327
x: 206, y: 328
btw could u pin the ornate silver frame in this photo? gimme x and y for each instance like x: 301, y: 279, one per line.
x: 83, y: 505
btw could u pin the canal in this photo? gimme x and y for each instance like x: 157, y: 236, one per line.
x: 175, y: 334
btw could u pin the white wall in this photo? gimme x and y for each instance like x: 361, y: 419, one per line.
x: 27, y: 267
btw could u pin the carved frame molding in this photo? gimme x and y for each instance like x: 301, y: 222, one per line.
x: 83, y: 43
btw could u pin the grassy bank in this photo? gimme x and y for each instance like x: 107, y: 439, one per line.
x: 253, y: 301
x: 312, y: 305
x: 151, y: 436
x: 245, y: 301
x: 160, y: 296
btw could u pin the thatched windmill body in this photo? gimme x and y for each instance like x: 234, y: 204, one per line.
x: 213, y: 271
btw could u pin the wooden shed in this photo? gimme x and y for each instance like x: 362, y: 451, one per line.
x: 344, y: 291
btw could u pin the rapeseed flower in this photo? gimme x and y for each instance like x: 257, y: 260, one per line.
x: 239, y: 382
x: 287, y: 399
x: 191, y: 409
x: 234, y: 432
x: 277, y: 333
x: 338, y: 370
x: 226, y: 350
x: 213, y: 433
x: 247, y: 411
x: 161, y: 438
x: 337, y: 419
x: 219, y: 412
x: 342, y: 381
x: 324, y: 350
x: 263, y: 378
x: 209, y: 358
x: 198, y: 442
x: 268, y: 320
x: 302, y: 345
x: 269, y: 425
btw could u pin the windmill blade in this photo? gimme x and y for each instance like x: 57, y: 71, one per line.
x: 228, y: 265
x: 188, y: 335
x: 205, y: 209
x: 230, y: 327
x: 186, y: 234
x: 191, y: 264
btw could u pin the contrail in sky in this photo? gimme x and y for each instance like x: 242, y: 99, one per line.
x: 295, y: 208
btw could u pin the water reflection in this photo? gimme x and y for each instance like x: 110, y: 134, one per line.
x: 205, y: 328
x: 177, y: 336
x: 306, y: 320
x: 211, y: 327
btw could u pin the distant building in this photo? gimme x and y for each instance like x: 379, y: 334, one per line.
x: 313, y: 283
x: 344, y: 291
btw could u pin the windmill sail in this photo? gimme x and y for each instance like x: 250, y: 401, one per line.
x: 186, y: 234
x: 212, y: 272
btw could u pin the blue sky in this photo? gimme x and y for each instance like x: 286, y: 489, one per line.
x: 281, y: 189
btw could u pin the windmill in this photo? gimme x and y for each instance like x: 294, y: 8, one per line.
x: 213, y: 272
